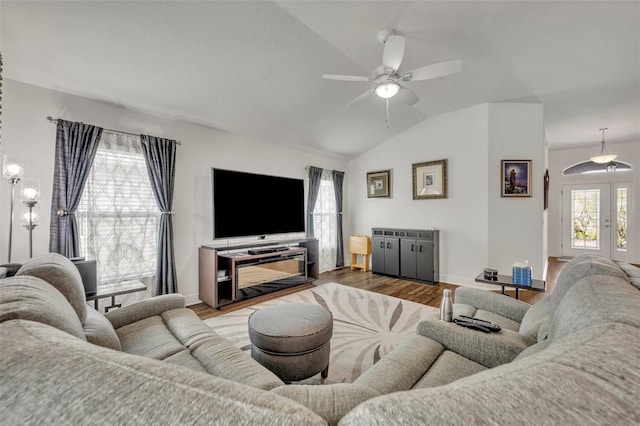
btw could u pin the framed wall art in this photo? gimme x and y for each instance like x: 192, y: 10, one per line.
x: 516, y: 178
x: 430, y: 180
x: 379, y: 184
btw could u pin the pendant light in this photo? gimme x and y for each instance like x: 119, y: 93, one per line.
x: 604, y: 156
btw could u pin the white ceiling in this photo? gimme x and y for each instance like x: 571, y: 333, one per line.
x: 254, y: 68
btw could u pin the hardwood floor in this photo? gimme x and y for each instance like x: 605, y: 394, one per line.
x: 409, y: 290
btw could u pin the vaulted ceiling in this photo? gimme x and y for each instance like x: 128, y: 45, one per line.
x: 254, y: 68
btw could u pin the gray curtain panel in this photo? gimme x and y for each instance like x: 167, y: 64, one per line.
x: 338, y: 178
x: 315, y: 175
x: 76, y: 146
x: 160, y: 156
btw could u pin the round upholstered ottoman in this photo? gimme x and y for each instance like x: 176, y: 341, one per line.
x: 292, y: 339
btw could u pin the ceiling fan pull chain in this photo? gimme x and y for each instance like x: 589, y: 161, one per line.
x: 387, y: 113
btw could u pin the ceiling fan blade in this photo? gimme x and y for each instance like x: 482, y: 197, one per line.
x: 359, y: 98
x: 393, y: 52
x: 406, y: 96
x: 345, y: 77
x: 433, y: 71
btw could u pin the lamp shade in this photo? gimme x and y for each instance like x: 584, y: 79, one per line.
x: 387, y: 89
x: 603, y: 157
x: 35, y: 217
x: 12, y: 167
x: 30, y: 191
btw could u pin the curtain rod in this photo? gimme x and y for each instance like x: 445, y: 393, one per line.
x: 55, y: 120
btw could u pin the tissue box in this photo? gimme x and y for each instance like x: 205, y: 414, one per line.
x: 521, y: 275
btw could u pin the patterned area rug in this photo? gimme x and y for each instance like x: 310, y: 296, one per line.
x: 366, y: 326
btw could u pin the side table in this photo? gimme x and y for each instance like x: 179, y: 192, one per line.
x: 360, y: 245
x: 113, y: 290
x: 507, y: 281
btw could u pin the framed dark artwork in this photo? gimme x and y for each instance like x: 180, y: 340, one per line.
x: 515, y: 178
x: 379, y: 184
x: 430, y: 180
x: 546, y: 189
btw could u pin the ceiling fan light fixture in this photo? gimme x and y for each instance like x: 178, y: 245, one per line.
x: 387, y: 89
x: 604, y: 157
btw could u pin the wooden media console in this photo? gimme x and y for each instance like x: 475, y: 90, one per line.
x: 228, y: 274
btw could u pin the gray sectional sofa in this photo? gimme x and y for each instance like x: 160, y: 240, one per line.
x: 572, y: 358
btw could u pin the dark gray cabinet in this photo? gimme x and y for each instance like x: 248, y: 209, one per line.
x: 406, y: 253
x: 385, y: 255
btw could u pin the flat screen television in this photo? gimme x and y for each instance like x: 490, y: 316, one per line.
x: 248, y: 204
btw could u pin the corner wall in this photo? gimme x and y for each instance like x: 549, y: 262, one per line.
x: 516, y: 231
x: 476, y: 225
x: 26, y: 132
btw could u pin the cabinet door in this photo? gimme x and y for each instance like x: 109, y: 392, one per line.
x: 392, y: 256
x: 377, y: 255
x: 424, y: 261
x: 408, y: 250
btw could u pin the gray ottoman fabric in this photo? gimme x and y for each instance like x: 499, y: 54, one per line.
x: 292, y: 339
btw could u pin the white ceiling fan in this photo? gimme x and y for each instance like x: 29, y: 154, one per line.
x: 388, y: 76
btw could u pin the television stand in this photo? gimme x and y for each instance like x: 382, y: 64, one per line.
x: 228, y: 274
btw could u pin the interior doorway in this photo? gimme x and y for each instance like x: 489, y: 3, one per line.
x: 595, y: 220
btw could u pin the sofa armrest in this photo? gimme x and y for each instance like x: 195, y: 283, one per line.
x: 144, y: 309
x: 488, y: 349
x: 401, y: 368
x: 493, y: 302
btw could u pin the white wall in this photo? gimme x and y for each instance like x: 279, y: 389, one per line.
x: 476, y: 226
x: 26, y: 132
x: 628, y: 152
x: 516, y: 132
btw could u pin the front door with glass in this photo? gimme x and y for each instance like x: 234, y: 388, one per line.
x: 594, y: 220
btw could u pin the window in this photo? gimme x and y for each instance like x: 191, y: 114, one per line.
x: 118, y: 215
x: 585, y: 217
x: 621, y: 220
x: 325, y: 222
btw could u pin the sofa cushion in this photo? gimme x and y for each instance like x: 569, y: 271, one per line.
x: 149, y: 337
x: 402, y: 368
x: 633, y: 272
x: 330, y: 402
x: 580, y: 267
x: 533, y: 349
x: 593, y: 300
x: 536, y: 318
x: 62, y: 274
x: 185, y: 359
x: 590, y: 378
x: 215, y: 354
x: 99, y: 331
x: 30, y: 298
x: 448, y: 368
x: 50, y: 377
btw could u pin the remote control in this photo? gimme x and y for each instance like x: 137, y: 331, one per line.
x: 466, y: 324
x: 491, y: 326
